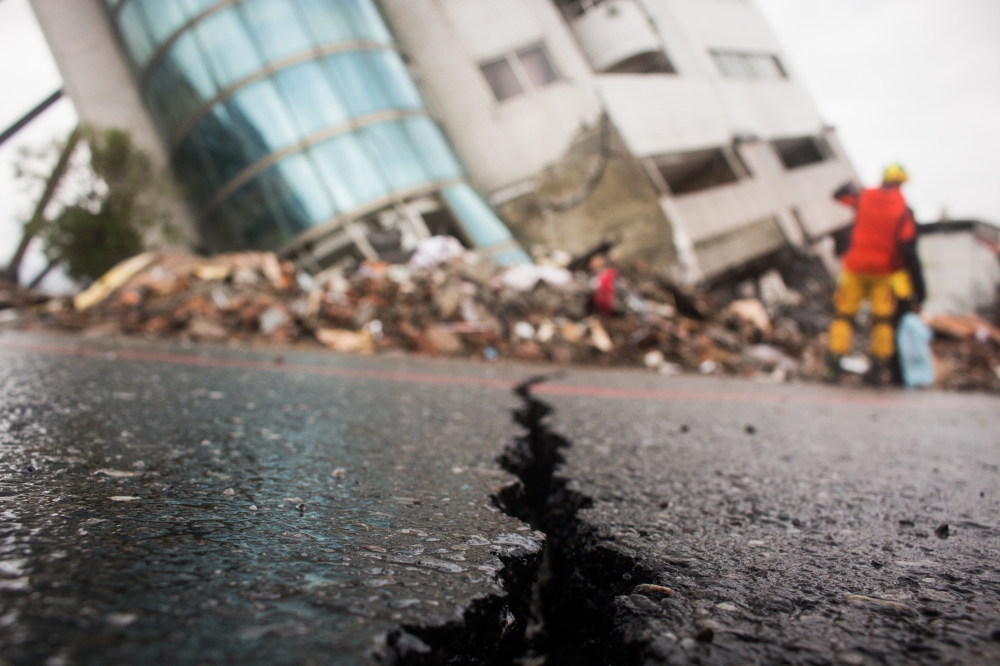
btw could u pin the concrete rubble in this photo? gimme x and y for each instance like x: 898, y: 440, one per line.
x: 452, y: 302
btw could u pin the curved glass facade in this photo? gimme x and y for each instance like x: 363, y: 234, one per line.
x: 282, y: 115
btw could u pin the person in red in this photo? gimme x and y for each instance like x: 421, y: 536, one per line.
x: 877, y: 267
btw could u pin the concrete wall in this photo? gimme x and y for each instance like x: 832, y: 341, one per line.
x: 622, y: 206
x: 98, y: 81
x: 500, y: 142
x: 528, y: 147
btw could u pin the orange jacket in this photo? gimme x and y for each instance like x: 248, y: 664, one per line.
x: 883, y: 221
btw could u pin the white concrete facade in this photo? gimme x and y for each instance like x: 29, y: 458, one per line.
x: 693, y: 104
x: 506, y: 143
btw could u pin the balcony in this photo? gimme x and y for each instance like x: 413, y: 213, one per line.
x: 616, y: 36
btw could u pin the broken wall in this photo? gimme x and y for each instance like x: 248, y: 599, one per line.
x: 597, y: 192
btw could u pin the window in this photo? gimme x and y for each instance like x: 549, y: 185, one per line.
x: 695, y: 171
x: 310, y: 98
x: 802, y: 151
x: 574, y: 8
x: 519, y: 72
x: 227, y: 47
x: 537, y: 67
x: 502, y: 79
x: 734, y: 65
x: 650, y: 62
x: 275, y: 25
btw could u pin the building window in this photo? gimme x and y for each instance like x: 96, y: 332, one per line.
x: 519, y: 72
x: 802, y: 151
x: 650, y: 62
x: 690, y: 172
x: 735, y: 65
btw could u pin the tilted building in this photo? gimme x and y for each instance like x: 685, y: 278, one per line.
x: 674, y: 128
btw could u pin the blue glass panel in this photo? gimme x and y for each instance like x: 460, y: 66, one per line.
x: 348, y: 172
x: 139, y: 44
x: 194, y: 170
x: 433, y: 149
x: 164, y: 101
x: 480, y: 223
x: 219, y: 232
x: 188, y: 59
x: 179, y: 85
x: 307, y: 191
x: 230, y: 53
x: 396, y: 79
x: 276, y: 26
x: 310, y: 97
x: 253, y: 212
x: 390, y: 146
x: 356, y: 83
x: 366, y: 20
x: 263, y: 121
x: 217, y: 134
x: 298, y: 194
x: 163, y: 17
x: 325, y: 21
x: 194, y: 7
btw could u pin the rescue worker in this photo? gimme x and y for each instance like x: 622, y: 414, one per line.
x: 883, y: 243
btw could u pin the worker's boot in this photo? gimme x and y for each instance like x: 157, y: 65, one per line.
x: 832, y: 371
x: 875, y: 377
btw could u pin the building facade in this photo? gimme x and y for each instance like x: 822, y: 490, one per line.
x: 674, y: 128
x: 294, y: 125
x: 700, y: 96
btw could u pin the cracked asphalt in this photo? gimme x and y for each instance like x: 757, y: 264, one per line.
x: 207, y: 505
x: 801, y: 525
x: 163, y: 511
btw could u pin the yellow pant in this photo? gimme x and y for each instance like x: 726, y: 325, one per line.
x: 881, y: 291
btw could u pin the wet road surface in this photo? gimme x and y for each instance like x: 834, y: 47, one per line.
x: 792, y: 524
x: 170, y: 505
x: 162, y: 512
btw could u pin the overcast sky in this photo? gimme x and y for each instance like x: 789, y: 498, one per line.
x: 911, y: 80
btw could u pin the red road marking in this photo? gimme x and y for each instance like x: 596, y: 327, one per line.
x: 661, y: 395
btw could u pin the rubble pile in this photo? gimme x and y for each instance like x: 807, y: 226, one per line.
x: 967, y: 351
x: 449, y: 301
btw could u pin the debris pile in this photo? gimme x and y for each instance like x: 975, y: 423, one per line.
x: 449, y: 301
x: 967, y: 350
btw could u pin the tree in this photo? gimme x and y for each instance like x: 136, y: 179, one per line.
x: 37, y: 221
x: 106, y: 221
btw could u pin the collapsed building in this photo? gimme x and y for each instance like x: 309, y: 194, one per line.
x: 336, y: 129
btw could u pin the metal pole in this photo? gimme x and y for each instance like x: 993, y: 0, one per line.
x: 31, y: 115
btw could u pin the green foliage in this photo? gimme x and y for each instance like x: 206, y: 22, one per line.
x: 92, y: 243
x: 115, y: 204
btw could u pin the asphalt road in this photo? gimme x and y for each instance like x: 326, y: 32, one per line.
x: 792, y: 524
x: 204, y: 505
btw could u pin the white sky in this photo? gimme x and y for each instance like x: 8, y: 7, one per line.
x: 916, y: 81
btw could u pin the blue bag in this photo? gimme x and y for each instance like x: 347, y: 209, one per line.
x: 913, y: 339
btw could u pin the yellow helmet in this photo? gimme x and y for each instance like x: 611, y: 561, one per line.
x: 895, y: 174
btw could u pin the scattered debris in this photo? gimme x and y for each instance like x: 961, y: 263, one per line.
x: 880, y: 605
x: 451, y: 301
